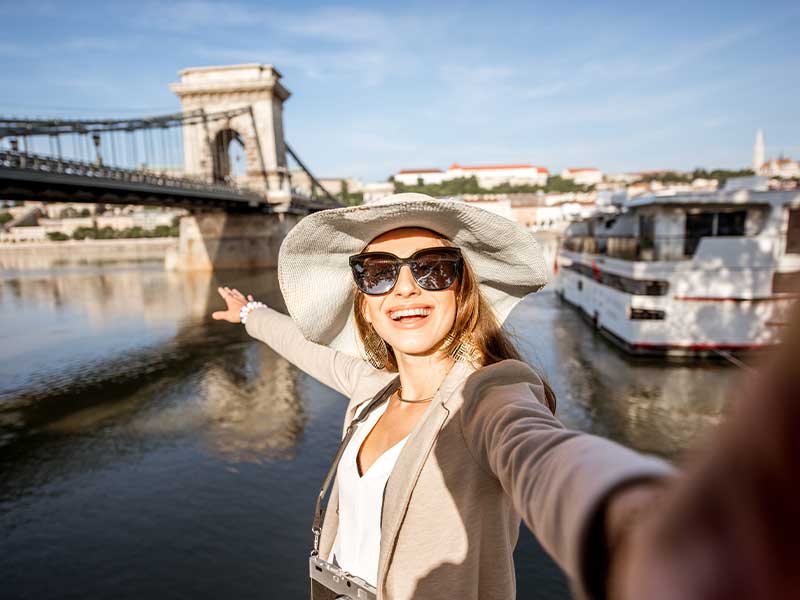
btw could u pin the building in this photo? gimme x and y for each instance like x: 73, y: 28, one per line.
x: 376, y: 191
x: 560, y: 210
x: 419, y: 176
x: 583, y: 175
x: 525, y: 207
x: 624, y: 178
x: 302, y: 184
x: 489, y: 176
x: 61, y: 210
x: 496, y: 203
x: 783, y: 168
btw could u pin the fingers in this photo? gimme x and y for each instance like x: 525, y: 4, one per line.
x: 227, y: 292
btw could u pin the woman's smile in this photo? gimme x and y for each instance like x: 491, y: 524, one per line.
x: 410, y: 316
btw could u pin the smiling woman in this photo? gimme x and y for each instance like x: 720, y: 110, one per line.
x: 449, y: 437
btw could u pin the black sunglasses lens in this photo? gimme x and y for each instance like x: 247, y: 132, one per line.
x: 375, y: 274
x: 435, y: 269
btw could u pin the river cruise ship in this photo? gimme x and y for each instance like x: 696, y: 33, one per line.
x: 686, y: 274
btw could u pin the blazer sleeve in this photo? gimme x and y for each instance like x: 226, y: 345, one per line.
x: 335, y: 369
x: 557, y: 478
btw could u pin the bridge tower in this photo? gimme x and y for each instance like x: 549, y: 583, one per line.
x: 207, y: 145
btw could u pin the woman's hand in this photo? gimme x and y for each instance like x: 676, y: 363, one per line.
x: 730, y: 527
x: 235, y: 301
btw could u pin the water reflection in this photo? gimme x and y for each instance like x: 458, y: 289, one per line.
x: 240, y: 419
x: 650, y: 405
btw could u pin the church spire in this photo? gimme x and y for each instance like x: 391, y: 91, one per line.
x: 758, y: 152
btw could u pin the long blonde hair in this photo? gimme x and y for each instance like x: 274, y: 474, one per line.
x: 475, y: 321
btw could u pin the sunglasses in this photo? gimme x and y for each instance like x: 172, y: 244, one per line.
x: 433, y: 269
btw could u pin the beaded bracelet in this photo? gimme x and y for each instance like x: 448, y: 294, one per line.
x: 245, y: 310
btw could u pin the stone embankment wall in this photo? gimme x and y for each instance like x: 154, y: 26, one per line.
x: 44, y: 255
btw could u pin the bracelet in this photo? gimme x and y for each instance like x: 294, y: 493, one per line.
x: 245, y: 310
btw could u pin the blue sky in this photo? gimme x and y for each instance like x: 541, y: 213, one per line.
x: 377, y: 86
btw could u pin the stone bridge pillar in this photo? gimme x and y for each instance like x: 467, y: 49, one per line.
x: 259, y: 129
x: 210, y: 241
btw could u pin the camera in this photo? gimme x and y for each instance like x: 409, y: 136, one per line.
x: 329, y: 582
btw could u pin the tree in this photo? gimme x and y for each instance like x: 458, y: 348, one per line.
x: 82, y: 233
x: 57, y: 236
x: 349, y: 198
x: 470, y: 185
x: 5, y: 217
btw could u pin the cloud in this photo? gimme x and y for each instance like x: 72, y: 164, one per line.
x: 14, y: 49
x: 715, y: 122
x: 337, y: 24
x: 365, y: 68
x: 194, y: 14
x: 340, y: 24
x: 103, y: 43
x: 545, y: 90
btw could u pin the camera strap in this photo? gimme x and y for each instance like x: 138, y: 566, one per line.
x: 319, y: 513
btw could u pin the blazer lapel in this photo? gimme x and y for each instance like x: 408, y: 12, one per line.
x: 397, y: 493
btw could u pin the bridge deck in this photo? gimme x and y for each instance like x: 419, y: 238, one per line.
x: 35, y: 177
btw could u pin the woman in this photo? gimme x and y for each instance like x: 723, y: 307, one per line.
x: 407, y: 296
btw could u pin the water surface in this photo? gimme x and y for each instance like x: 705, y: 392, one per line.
x: 149, y: 451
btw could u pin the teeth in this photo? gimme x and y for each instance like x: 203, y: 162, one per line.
x: 410, y: 312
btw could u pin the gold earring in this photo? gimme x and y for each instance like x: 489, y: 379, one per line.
x: 464, y: 349
x: 375, y: 347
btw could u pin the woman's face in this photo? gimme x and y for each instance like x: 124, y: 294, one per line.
x: 414, y: 335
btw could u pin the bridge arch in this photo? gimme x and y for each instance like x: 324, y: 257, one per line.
x: 229, y: 157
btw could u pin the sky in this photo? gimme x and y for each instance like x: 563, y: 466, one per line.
x: 381, y: 86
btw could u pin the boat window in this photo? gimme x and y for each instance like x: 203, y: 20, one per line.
x: 709, y: 224
x: 647, y: 236
x: 637, y: 287
x: 731, y: 223
x: 698, y: 225
x: 793, y: 233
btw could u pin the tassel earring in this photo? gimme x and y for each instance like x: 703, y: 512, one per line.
x: 375, y: 347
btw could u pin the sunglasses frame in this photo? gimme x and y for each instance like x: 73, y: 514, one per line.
x: 399, y: 262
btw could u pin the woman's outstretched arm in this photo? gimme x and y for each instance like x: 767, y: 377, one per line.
x: 335, y: 369
x: 617, y: 521
x: 559, y: 480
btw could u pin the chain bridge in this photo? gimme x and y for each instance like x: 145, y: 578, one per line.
x: 224, y: 157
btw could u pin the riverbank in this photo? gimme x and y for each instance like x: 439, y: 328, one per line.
x: 45, y: 255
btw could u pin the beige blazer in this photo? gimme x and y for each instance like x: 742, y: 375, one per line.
x: 486, y: 453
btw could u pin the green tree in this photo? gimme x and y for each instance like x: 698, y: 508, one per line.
x: 5, y: 217
x: 82, y: 233
x: 349, y: 198
x: 57, y: 236
x: 165, y: 231
x: 469, y: 185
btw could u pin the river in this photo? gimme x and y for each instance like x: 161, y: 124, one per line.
x: 148, y: 451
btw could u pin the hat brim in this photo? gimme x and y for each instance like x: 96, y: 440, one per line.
x: 317, y: 285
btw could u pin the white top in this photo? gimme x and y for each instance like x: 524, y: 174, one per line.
x: 358, y: 538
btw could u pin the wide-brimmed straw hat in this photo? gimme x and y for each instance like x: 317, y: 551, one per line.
x: 314, y: 272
